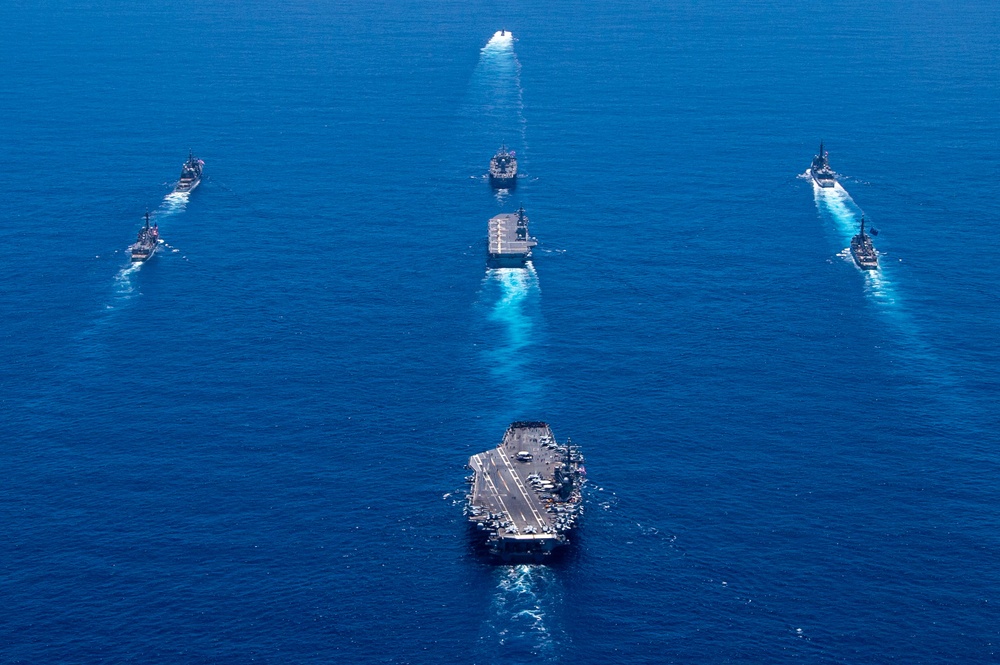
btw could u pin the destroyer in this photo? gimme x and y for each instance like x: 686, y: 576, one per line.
x: 525, y: 494
x: 503, y: 169
x: 145, y: 245
x: 190, y: 174
x: 863, y: 251
x: 510, y: 244
x: 821, y: 171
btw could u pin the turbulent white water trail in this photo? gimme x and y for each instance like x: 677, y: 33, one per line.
x: 499, y: 74
x: 526, y: 600
x: 511, y: 295
x: 174, y: 202
x: 521, y: 626
x: 837, y: 205
x: 493, y: 108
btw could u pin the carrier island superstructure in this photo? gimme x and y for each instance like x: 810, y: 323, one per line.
x: 510, y: 244
x: 525, y: 494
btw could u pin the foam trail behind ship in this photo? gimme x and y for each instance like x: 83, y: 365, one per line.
x: 525, y: 601
x: 510, y: 299
x: 493, y: 109
x: 520, y: 627
x: 173, y: 203
x: 836, y: 205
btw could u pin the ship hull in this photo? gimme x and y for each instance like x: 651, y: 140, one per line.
x: 864, y: 257
x: 824, y: 182
x: 864, y: 262
x: 509, y: 182
x: 186, y: 187
x: 142, y: 258
x: 507, y: 260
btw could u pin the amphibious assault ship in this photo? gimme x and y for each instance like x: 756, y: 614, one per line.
x: 863, y: 250
x: 146, y: 243
x: 503, y: 169
x: 190, y: 174
x: 525, y: 495
x: 821, y: 171
x: 509, y: 242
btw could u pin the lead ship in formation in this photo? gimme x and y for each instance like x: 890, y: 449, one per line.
x: 190, y: 174
x: 503, y: 169
x: 525, y: 495
x: 509, y: 242
x: 146, y: 243
x: 821, y: 171
x: 863, y: 250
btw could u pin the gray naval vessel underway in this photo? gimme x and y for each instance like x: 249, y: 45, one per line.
x: 190, y: 174
x: 863, y: 250
x: 503, y: 169
x: 821, y: 171
x: 525, y: 495
x: 146, y: 243
x: 509, y: 243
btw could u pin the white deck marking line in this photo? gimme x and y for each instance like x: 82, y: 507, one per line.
x: 524, y: 492
x: 490, y: 482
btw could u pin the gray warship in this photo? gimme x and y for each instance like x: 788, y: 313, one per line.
x: 525, y: 494
x: 190, y: 174
x: 146, y: 243
x: 821, y: 171
x: 503, y: 169
x: 863, y: 250
x: 509, y: 242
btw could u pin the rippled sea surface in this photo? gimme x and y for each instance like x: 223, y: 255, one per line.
x: 252, y: 447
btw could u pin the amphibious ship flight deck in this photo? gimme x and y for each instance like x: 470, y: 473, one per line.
x: 526, y: 493
x: 510, y: 243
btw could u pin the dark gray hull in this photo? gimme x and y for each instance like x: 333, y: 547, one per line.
x: 503, y: 183
x: 508, y: 260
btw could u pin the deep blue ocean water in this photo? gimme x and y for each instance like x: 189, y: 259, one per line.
x: 251, y: 449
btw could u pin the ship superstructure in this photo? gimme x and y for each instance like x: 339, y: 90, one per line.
x: 503, y: 169
x: 526, y: 493
x: 510, y: 244
x: 190, y: 174
x: 146, y: 243
x: 863, y: 250
x: 821, y: 171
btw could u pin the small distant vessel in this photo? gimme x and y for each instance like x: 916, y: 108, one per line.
x: 145, y: 245
x: 190, y: 174
x: 863, y: 251
x: 509, y: 242
x: 821, y: 171
x: 503, y: 169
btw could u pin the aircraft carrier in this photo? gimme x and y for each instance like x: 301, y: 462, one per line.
x: 510, y: 243
x: 525, y: 495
